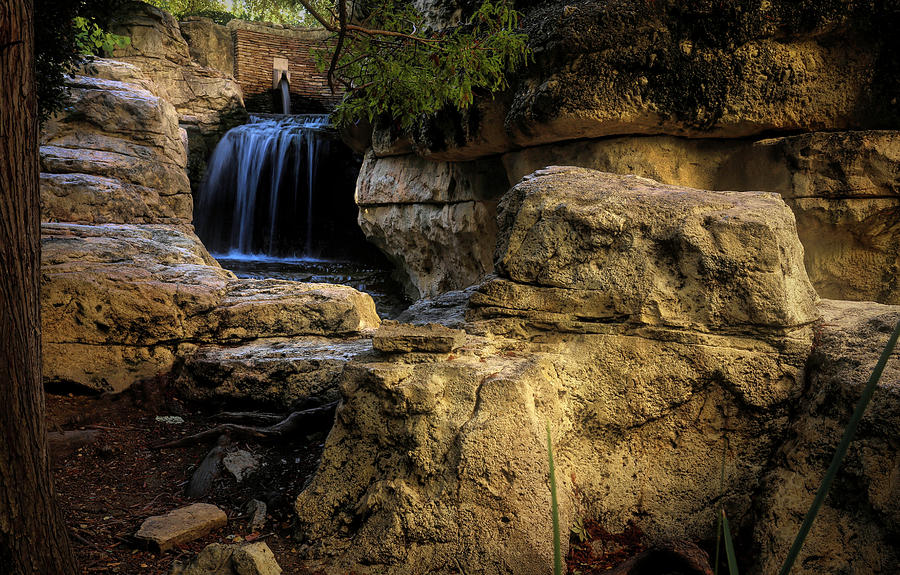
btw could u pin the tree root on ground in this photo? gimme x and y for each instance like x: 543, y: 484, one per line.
x: 309, y: 420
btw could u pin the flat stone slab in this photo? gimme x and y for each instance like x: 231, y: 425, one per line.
x: 393, y: 337
x: 181, y: 525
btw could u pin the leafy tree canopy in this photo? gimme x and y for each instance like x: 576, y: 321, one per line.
x: 391, y: 64
x: 286, y: 12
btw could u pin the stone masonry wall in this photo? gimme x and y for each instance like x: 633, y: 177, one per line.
x: 256, y: 46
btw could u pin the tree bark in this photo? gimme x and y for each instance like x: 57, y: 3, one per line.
x: 32, y: 534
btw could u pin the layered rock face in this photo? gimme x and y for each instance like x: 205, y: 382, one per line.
x: 436, y: 221
x: 120, y: 302
x: 208, y: 100
x: 128, y: 290
x: 643, y: 323
x: 689, y: 95
x: 115, y: 153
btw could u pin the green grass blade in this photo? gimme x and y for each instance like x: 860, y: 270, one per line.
x: 554, y: 508
x: 838, y: 458
x: 729, y: 546
x: 721, y: 498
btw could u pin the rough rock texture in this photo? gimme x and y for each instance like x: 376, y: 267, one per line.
x: 642, y: 322
x: 181, y: 525
x: 208, y: 101
x: 434, y: 220
x: 278, y: 374
x: 218, y: 559
x: 393, y: 337
x: 844, y: 189
x: 733, y: 69
x: 210, y: 44
x: 115, y: 153
x: 858, y: 528
x: 119, y: 302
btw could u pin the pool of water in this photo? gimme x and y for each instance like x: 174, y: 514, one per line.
x: 375, y: 281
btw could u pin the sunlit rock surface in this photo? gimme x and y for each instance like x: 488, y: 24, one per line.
x: 209, y: 101
x: 120, y: 302
x: 114, y: 153
x: 644, y: 323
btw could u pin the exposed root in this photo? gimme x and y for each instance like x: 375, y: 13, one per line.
x: 306, y: 421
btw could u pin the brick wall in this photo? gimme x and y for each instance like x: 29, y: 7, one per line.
x: 255, y: 48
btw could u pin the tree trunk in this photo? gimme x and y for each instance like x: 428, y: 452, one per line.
x: 32, y: 534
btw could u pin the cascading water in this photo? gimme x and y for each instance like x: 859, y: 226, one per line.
x: 285, y: 88
x: 260, y: 188
x: 277, y: 202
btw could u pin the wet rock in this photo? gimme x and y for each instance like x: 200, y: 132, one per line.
x: 181, y: 525
x: 393, y: 337
x: 447, y: 309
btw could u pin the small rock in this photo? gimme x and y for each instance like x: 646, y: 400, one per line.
x: 181, y: 525
x: 257, y: 510
x: 219, y: 559
x: 170, y: 419
x: 240, y: 463
x: 393, y: 337
x: 255, y: 559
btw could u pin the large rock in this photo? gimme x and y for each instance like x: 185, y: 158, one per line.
x: 120, y: 302
x: 209, y: 102
x: 644, y: 323
x: 115, y: 152
x: 686, y: 69
x: 844, y: 189
x: 278, y: 374
x: 858, y: 527
x: 209, y: 44
x: 435, y: 220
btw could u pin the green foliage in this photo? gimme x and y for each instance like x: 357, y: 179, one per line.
x: 729, y: 546
x: 554, y: 508
x: 182, y: 8
x: 61, y: 45
x: 91, y: 40
x: 279, y: 11
x: 403, y: 70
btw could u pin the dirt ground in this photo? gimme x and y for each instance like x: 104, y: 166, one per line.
x: 110, y: 486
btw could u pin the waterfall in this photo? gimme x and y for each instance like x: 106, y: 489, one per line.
x: 260, y: 189
x: 285, y: 89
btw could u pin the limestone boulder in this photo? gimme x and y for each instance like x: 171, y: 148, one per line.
x: 115, y: 153
x: 209, y: 44
x: 122, y: 302
x: 434, y: 220
x: 209, y: 102
x: 602, y: 69
x: 181, y: 525
x: 842, y: 187
x: 628, y: 249
x: 641, y: 369
x: 857, y: 528
x: 275, y: 373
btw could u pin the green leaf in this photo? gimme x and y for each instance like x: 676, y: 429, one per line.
x: 729, y: 546
x: 554, y: 507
